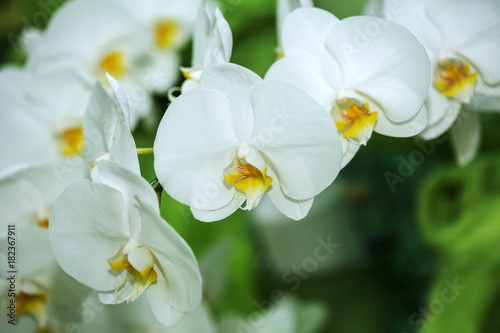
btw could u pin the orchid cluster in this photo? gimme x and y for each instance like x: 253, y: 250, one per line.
x: 70, y: 174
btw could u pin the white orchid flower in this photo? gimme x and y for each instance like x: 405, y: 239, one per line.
x: 58, y: 117
x: 170, y: 23
x: 212, y: 44
x: 106, y: 129
x: 41, y: 117
x: 369, y: 74
x: 285, y: 7
x: 111, y: 238
x: 92, y: 38
x: 238, y: 137
x: 460, y: 37
x: 27, y: 195
x: 46, y: 299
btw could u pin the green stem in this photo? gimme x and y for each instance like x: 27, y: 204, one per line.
x: 144, y: 151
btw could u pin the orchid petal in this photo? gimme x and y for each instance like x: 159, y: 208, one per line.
x: 405, y: 129
x: 305, y: 30
x: 234, y: 82
x: 38, y: 268
x: 189, y: 85
x: 466, y: 137
x: 221, y: 213
x: 195, y: 142
x: 439, y: 128
x: 203, y: 33
x: 383, y: 61
x: 91, y: 217
x: 297, y: 137
x: 485, y: 103
x: 106, y: 132
x: 121, y: 97
x: 130, y: 185
x: 175, y: 262
x: 164, y: 72
x: 160, y: 306
x: 83, y: 38
x: 224, y: 39
x: 349, y: 149
x: 27, y: 137
x: 437, y: 106
x: 28, y: 194
x: 412, y: 14
x: 291, y: 208
x: 284, y: 8
x: 304, y: 72
x: 61, y: 95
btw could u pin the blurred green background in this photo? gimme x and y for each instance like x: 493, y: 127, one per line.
x: 422, y: 255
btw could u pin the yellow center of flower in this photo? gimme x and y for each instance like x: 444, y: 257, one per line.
x: 249, y: 180
x: 166, y: 33
x: 113, y: 63
x: 454, y: 79
x: 44, y: 223
x: 139, y: 263
x: 72, y: 141
x: 33, y: 304
x: 354, y: 119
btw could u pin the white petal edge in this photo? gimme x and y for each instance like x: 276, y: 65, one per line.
x: 293, y: 209
x: 405, y: 129
x: 195, y: 142
x: 221, y: 213
x: 465, y: 137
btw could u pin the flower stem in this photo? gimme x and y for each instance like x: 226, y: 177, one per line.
x: 158, y: 189
x: 144, y: 151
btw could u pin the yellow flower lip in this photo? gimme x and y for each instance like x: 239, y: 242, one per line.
x: 41, y: 217
x: 248, y: 179
x: 454, y: 79
x: 114, y: 63
x: 72, y: 141
x: 166, y: 33
x: 354, y: 120
x: 33, y: 303
x: 193, y: 73
x: 43, y: 223
x: 139, y: 263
